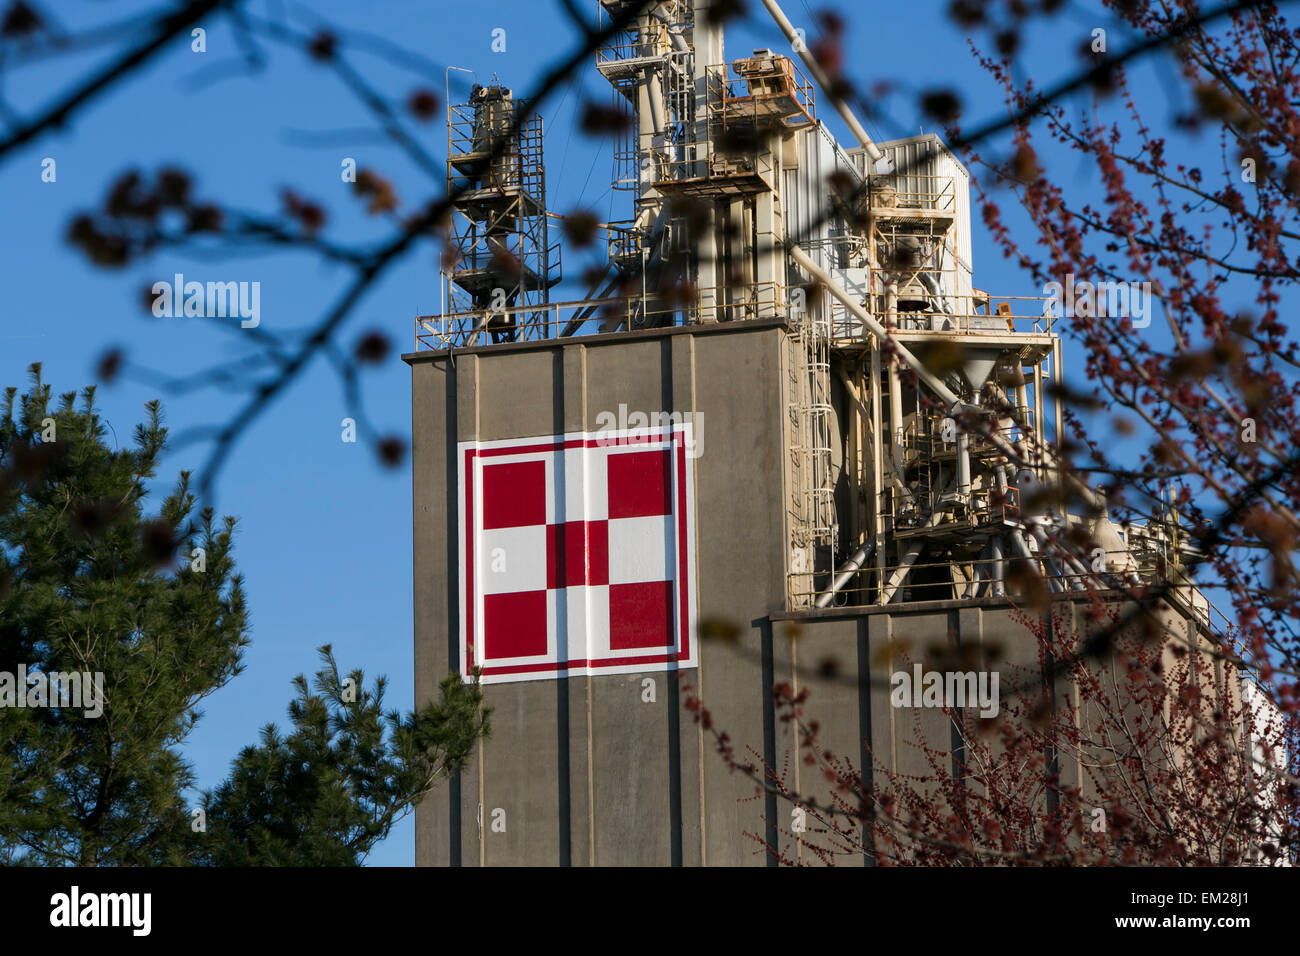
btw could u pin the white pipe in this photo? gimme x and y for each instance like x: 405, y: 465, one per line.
x: 882, y: 163
x: 654, y: 92
x: 674, y: 34
x: 1069, y: 564
x: 978, y: 574
x: 847, y: 570
x: 999, y: 568
x: 963, y: 464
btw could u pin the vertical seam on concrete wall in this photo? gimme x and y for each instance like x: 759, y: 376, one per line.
x: 1051, y: 755
x: 769, y: 736
x: 589, y: 730
x: 563, y: 732
x: 482, y: 843
x: 864, y: 737
x: 699, y: 674
x: 589, y: 687
x: 454, y: 823
x: 794, y: 727
x: 958, y: 720
x: 893, y: 724
x: 699, y: 731
x: 667, y: 403
x: 591, y: 783
x: 1076, y: 706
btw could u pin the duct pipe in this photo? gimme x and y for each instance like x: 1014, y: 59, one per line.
x: 674, y: 34
x: 1022, y: 546
x: 999, y: 566
x: 1075, y: 581
x: 655, y: 95
x: 882, y: 164
x: 973, y: 583
x: 963, y: 464
x: 846, y: 572
x: 895, y: 394
x: 1018, y: 539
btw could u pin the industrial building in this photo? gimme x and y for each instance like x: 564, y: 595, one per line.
x: 783, y: 408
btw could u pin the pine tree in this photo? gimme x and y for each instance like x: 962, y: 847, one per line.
x: 93, y: 582
x: 327, y: 792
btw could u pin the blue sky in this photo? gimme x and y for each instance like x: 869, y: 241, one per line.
x: 324, y: 535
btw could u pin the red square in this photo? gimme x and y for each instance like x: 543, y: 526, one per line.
x: 514, y: 625
x: 514, y: 494
x: 577, y: 552
x: 641, y: 615
x: 640, y: 484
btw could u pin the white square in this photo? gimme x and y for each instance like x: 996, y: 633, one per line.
x: 512, y: 559
x: 641, y: 549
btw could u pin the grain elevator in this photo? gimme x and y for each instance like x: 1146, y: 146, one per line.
x: 782, y: 426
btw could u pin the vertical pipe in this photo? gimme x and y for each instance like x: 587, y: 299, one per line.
x: 963, y: 464
x: 1022, y: 396
x: 738, y: 274
x: 707, y: 38
x: 895, y: 419
x: 706, y: 254
x: 895, y: 387
x: 1058, y: 413
x: 855, y: 470
x: 1040, y: 434
x: 877, y: 471
x: 999, y: 566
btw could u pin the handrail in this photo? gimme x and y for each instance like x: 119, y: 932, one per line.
x: 460, y: 328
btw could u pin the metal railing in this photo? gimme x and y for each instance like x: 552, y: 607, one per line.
x: 1018, y: 314
x: 526, y: 323
x: 925, y: 435
x: 651, y: 39
x: 783, y: 96
x: 936, y: 581
x: 716, y: 171
x: 462, y: 327
x: 936, y: 193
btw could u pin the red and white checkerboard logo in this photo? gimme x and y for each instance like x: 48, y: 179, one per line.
x: 577, y: 554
